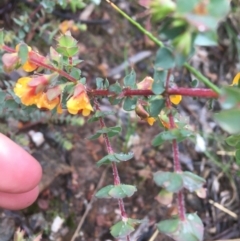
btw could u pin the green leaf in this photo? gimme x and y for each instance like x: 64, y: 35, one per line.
x: 107, y: 159
x: 237, y: 155
x: 129, y: 103
x: 116, y: 88
x: 67, y: 51
x: 100, y: 114
x: 191, y: 181
x: 110, y: 131
x: 233, y: 140
x: 23, y: 53
x: 116, y: 157
x: 230, y: 97
x: 122, y: 191
x: 172, y: 182
x: 186, y: 6
x: 158, y: 86
x: 194, y: 83
x: 95, y: 136
x: 130, y: 80
x: 168, y: 226
x: 190, y: 229
x: 229, y: 120
x: 75, y: 73
x: 206, y: 39
x: 104, y: 192
x: 121, y: 229
x: 164, y: 59
x: 10, y: 105
x: 99, y: 83
x: 123, y: 156
x: 218, y: 8
x: 178, y: 134
x: 2, y: 96
x: 156, y: 104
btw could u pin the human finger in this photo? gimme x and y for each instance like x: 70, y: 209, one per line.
x: 16, y: 201
x: 19, y: 171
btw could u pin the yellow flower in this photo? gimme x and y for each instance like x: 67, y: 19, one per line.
x: 175, y: 99
x: 27, y: 66
x: 29, y: 90
x: 150, y: 120
x: 236, y: 79
x: 79, y: 102
x: 44, y: 102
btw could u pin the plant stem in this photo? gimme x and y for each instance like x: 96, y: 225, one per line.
x: 139, y: 26
x: 194, y: 92
x: 159, y: 43
x: 176, y: 161
x: 114, y: 167
x: 202, y: 78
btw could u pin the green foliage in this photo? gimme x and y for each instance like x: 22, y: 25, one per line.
x: 173, y: 182
x: 130, y: 103
x: 164, y: 59
x: 130, y: 80
x: 67, y: 45
x: 174, y: 134
x: 100, y: 114
x: 156, y: 104
x: 159, y: 77
x: 118, y: 191
x: 190, y: 229
x: 23, y: 53
x: 63, y: 141
x: 115, y: 158
x: 111, y: 132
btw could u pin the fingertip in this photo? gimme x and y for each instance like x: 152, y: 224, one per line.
x: 19, y: 171
x: 17, y: 201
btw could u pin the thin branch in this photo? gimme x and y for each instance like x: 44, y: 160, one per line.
x: 114, y: 167
x: 176, y: 161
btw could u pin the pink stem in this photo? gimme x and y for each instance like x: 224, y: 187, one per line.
x: 114, y: 168
x: 177, y: 164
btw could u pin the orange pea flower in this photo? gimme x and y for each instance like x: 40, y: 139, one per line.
x: 12, y: 61
x: 30, y: 89
x: 79, y: 101
x: 143, y: 114
x: 44, y: 102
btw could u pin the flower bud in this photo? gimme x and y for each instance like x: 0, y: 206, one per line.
x: 145, y: 84
x: 161, y: 8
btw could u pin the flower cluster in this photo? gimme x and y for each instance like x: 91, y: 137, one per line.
x: 34, y: 91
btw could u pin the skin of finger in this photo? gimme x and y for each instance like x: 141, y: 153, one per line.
x: 17, y: 201
x: 19, y: 171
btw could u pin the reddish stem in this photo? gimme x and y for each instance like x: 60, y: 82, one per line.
x: 194, y: 92
x: 176, y: 161
x: 114, y: 167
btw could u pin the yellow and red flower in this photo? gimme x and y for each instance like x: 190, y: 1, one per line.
x: 12, y: 61
x: 44, y: 102
x: 30, y: 89
x: 79, y: 101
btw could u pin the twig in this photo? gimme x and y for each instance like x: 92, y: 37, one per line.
x: 114, y: 168
x: 177, y: 164
x: 89, y: 205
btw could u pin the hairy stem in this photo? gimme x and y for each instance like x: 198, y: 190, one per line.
x: 159, y: 43
x: 176, y: 161
x: 114, y: 167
